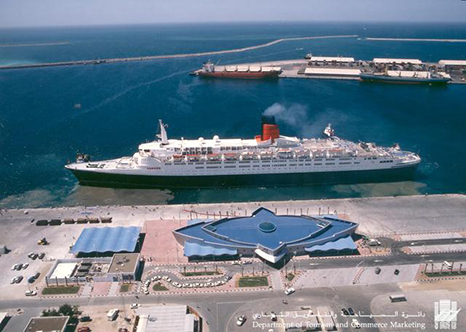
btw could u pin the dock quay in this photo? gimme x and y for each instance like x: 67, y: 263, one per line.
x: 376, y: 216
x: 348, y: 68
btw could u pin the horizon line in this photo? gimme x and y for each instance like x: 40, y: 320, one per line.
x: 229, y: 22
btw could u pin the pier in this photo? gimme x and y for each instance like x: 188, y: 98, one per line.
x: 347, y: 68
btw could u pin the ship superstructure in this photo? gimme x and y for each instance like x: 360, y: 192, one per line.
x: 269, y: 158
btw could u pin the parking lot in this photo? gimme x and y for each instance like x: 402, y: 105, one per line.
x: 387, y: 274
x: 326, y: 278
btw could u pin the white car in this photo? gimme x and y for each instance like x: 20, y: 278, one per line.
x: 240, y: 320
x: 14, y: 267
x: 289, y: 291
x: 134, y: 306
x: 30, y: 293
x: 355, y: 323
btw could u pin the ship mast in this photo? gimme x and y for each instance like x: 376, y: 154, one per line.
x: 163, y: 133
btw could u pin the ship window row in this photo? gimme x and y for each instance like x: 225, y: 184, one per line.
x: 386, y: 161
x: 281, y: 160
x: 278, y: 162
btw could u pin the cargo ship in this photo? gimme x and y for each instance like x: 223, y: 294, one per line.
x: 210, y: 70
x: 405, y: 76
x: 268, y: 159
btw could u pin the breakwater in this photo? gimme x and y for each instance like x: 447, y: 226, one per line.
x: 172, y: 56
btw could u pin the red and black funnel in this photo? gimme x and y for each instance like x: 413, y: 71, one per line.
x: 269, y: 128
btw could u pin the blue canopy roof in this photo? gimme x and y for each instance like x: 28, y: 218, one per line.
x: 107, y: 239
x: 341, y: 244
x: 194, y: 249
x: 266, y: 229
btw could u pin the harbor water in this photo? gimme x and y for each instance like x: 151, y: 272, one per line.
x: 106, y: 110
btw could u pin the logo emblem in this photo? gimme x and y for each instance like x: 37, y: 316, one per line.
x: 446, y: 313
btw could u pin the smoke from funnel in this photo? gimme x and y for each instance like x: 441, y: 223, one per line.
x: 294, y: 116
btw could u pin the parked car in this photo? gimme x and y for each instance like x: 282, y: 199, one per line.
x: 351, y: 311
x: 84, y: 329
x: 25, y: 266
x: 112, y: 314
x: 344, y: 312
x: 397, y: 272
x: 289, y: 291
x: 30, y: 254
x: 41, y: 255
x: 240, y: 320
x: 19, y: 267
x: 34, y: 256
x: 16, y: 280
x: 134, y: 306
x: 85, y: 319
x: 31, y: 279
x: 377, y: 270
x: 37, y: 275
x: 30, y: 293
x: 14, y: 267
x: 273, y: 316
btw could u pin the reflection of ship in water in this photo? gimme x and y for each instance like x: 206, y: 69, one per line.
x: 241, y: 72
x: 267, y: 159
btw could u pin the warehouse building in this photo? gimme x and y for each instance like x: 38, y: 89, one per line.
x: 47, y: 324
x: 453, y: 64
x: 397, y: 61
x: 266, y: 235
x: 332, y: 72
x: 167, y: 319
x: 120, y: 267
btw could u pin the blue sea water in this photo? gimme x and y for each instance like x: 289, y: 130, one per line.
x: 40, y: 129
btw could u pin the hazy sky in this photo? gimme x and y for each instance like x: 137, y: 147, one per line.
x: 16, y: 13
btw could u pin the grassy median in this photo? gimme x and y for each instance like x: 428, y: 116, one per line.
x: 60, y: 290
x: 159, y: 287
x: 253, y: 282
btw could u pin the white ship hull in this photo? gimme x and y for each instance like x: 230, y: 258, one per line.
x: 266, y: 160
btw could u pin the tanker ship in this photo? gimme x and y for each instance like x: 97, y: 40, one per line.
x: 268, y: 159
x: 242, y: 72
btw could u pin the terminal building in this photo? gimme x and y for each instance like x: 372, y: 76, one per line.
x: 266, y: 235
x: 120, y: 267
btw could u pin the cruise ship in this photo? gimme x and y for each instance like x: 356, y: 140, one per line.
x: 268, y: 159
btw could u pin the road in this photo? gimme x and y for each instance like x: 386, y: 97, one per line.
x: 219, y: 309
